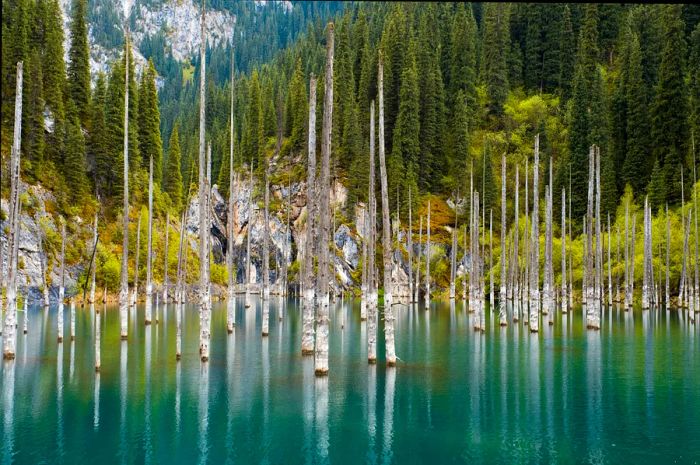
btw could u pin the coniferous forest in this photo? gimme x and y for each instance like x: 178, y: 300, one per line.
x: 531, y: 162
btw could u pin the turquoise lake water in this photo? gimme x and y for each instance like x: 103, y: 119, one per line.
x: 629, y: 393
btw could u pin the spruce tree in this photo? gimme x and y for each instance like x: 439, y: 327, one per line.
x: 172, y: 177
x: 462, y: 54
x: 657, y: 186
x: 695, y: 87
x: 79, y: 64
x: 298, y: 109
x: 114, y: 119
x: 54, y: 75
x: 567, y: 47
x: 636, y: 165
x: 394, y: 38
x: 14, y: 49
x: 669, y: 110
x: 150, y: 144
x: 74, y: 158
x: 33, y: 115
x: 98, y: 151
x: 496, y: 40
x: 534, y: 46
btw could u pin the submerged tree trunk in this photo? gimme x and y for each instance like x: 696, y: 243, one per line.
x: 149, y: 253
x: 410, y: 247
x: 646, y: 285
x: 62, y: 282
x: 248, y: 282
x: 231, y: 294
x: 516, y: 248
x: 477, y: 270
x: 308, y: 288
x: 266, y: 258
x: 696, y: 291
x: 628, y: 288
x: 564, y: 296
x: 372, y: 301
x: 124, y: 289
x: 416, y: 297
x: 490, y: 270
x: 386, y: 228
x: 135, y: 291
x: 10, y: 329
x: 599, y: 246
x: 502, y: 309
x: 204, y: 321
x: 610, y: 293
x: 165, y: 259
x: 533, y: 321
x: 427, y: 261
x: 322, y: 313
x: 98, y: 337
x: 93, y: 265
x: 453, y: 257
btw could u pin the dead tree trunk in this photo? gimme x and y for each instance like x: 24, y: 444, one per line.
x: 646, y: 288
x: 667, y: 295
x: 204, y: 321
x: 564, y: 296
x: 372, y: 303
x: 453, y: 257
x: 10, y: 329
x: 599, y: 245
x: 628, y: 299
x: 416, y: 297
x: 322, y: 314
x: 266, y: 257
x: 410, y: 247
x: 363, y: 287
x: 62, y: 283
x: 490, y: 270
x: 610, y: 293
x: 535, y: 239
x: 386, y: 236
x: 477, y: 269
x: 308, y: 288
x: 134, y: 291
x: 165, y: 258
x: 427, y: 261
x: 231, y: 291
x: 696, y: 291
x: 516, y: 248
x: 149, y: 256
x: 251, y: 210
x: 124, y: 288
x: 502, y: 309
x: 93, y: 266
x: 527, y: 246
x: 633, y: 234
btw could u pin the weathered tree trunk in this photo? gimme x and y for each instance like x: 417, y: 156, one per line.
x: 251, y: 210
x: 26, y: 314
x: 682, y: 296
x: 646, y: 287
x: 165, y: 260
x: 547, y: 287
x: 477, y: 269
x: 42, y: 263
x: 427, y: 261
x: 453, y: 257
x: 633, y: 235
x: 72, y: 319
x: 610, y: 293
x: 599, y: 246
x: 363, y: 287
x: 589, y: 287
x: 308, y: 288
x: 98, y: 336
x: 266, y: 258
x: 372, y: 304
x: 502, y: 309
x: 322, y: 313
x: 686, y: 237
x: 204, y: 321
x: 135, y: 290
x: 564, y: 296
x: 628, y: 297
x: 410, y: 247
x: 416, y: 297
x: 571, y: 238
x: 62, y: 283
x: 527, y: 247
x: 534, y: 263
x: 180, y: 289
x: 149, y: 256
x: 490, y: 270
x: 231, y: 291
x: 10, y: 329
x: 124, y: 289
x: 516, y: 248
x: 696, y: 291
x: 386, y: 236
x: 93, y: 265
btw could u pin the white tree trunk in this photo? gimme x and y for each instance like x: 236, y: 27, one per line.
x: 533, y: 321
x: 72, y: 319
x: 61, y: 288
x: 502, y: 309
x: 10, y: 329
x: 93, y: 267
x: 124, y: 287
x: 251, y: 210
x: 516, y: 247
x: 204, y: 322
x: 427, y: 261
x: 149, y: 253
x: 98, y: 336
x: 564, y: 296
x: 322, y: 312
x: 308, y: 288
x: 372, y: 300
x: 266, y: 258
x: 416, y: 297
x: 410, y: 247
x: 166, y: 260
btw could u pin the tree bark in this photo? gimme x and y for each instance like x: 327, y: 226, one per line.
x: 124, y: 289
x: 61, y: 288
x: 98, y: 336
x: 166, y: 256
x: 135, y: 290
x: 535, y: 239
x: 564, y: 296
x: 10, y: 329
x: 416, y: 297
x: 266, y: 258
x: 248, y: 234
x: 372, y: 315
x: 149, y: 256
x: 427, y: 261
x: 204, y: 322
x: 502, y: 309
x: 308, y: 288
x: 410, y: 247
x: 93, y: 265
x: 322, y: 314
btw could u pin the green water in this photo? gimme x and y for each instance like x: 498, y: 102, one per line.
x: 629, y: 393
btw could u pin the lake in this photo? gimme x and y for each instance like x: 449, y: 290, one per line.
x: 629, y: 393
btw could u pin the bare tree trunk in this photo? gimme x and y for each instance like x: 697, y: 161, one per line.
x: 386, y: 236
x: 502, y: 309
x: 453, y: 257
x: 477, y: 269
x: 363, y: 287
x: 571, y: 237
x: 682, y: 297
x: 490, y: 270
x: 633, y: 235
x: 93, y: 265
x: 410, y: 247
x: 308, y: 288
x: 610, y: 293
x: 686, y: 236
x: 416, y: 297
x: 149, y: 257
x: 204, y: 321
x: 427, y: 261
x: 166, y: 255
x: 564, y: 296
x: 589, y: 288
x: 10, y: 329
x: 248, y: 234
x: 646, y: 288
x: 535, y: 239
x: 697, y: 246
x: 231, y: 291
x: 547, y: 287
x: 135, y: 291
x: 266, y: 258
x: 124, y: 289
x: 98, y: 336
x: 180, y: 289
x: 322, y: 314
x: 516, y: 248
x: 628, y: 297
x: 527, y: 246
x: 62, y: 284
x: 372, y: 311
x: 599, y: 245
x: 42, y: 263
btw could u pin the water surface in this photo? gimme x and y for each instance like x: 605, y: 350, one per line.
x: 629, y: 393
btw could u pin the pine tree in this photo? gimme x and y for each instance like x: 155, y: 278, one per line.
x: 695, y: 86
x: 150, y: 144
x: 114, y: 119
x: 33, y: 116
x: 462, y: 54
x: 254, y: 137
x: 98, y: 151
x: 14, y: 49
x: 567, y: 44
x: 657, y: 186
x: 669, y: 110
x: 298, y: 108
x: 394, y: 38
x: 54, y: 75
x: 636, y: 165
x: 172, y: 177
x: 534, y: 47
x: 74, y: 158
x: 496, y: 40
x: 79, y: 64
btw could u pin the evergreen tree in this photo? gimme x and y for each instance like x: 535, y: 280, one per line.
x: 254, y: 137
x: 14, y: 49
x: 98, y: 141
x: 112, y: 176
x: 33, y: 115
x: 150, y: 144
x: 74, y: 158
x: 298, y: 109
x: 496, y: 40
x: 567, y: 44
x: 462, y: 54
x: 172, y: 177
x: 534, y: 46
x: 695, y: 88
x: 54, y: 75
x: 636, y: 165
x: 79, y: 64
x: 669, y: 109
x: 657, y: 186
x: 394, y: 37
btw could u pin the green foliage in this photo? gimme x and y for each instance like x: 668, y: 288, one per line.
x: 79, y: 60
